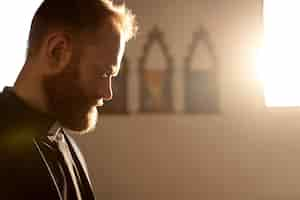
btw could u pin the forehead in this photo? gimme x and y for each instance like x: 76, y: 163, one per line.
x: 104, y: 48
x: 107, y: 37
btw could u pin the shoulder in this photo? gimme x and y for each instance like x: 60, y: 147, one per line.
x: 16, y: 133
x: 9, y: 116
x: 15, y: 140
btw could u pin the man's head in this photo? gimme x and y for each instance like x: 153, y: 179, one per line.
x: 79, y: 45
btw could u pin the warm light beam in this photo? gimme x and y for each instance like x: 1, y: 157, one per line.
x: 279, y: 60
x: 15, y: 19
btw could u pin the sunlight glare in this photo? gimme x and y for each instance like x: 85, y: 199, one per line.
x: 15, y: 19
x: 278, y: 61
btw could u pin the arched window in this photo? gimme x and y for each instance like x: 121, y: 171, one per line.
x: 156, y: 74
x: 201, y: 75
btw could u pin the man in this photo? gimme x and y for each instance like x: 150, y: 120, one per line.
x: 74, y: 49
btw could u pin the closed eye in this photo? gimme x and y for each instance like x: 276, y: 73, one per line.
x: 105, y: 75
x: 109, y: 72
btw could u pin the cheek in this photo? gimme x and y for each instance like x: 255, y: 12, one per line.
x: 89, y: 86
x: 99, y: 87
x: 87, y: 80
x: 93, y: 86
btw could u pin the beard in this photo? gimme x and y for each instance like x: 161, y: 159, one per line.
x: 67, y: 101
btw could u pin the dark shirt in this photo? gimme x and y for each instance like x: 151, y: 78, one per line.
x: 38, y: 159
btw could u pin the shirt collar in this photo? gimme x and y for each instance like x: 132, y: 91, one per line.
x: 55, y: 133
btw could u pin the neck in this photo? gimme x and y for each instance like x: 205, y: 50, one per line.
x: 28, y: 87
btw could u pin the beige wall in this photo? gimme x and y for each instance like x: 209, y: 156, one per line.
x: 246, y: 152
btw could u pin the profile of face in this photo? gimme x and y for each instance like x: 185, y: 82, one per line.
x: 86, y: 81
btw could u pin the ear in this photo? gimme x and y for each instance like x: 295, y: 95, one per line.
x: 58, y: 51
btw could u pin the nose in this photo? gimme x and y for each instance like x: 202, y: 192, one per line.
x: 108, y: 93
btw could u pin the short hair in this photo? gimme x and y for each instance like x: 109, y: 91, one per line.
x: 77, y: 16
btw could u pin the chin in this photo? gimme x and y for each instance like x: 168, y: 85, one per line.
x: 87, y: 123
